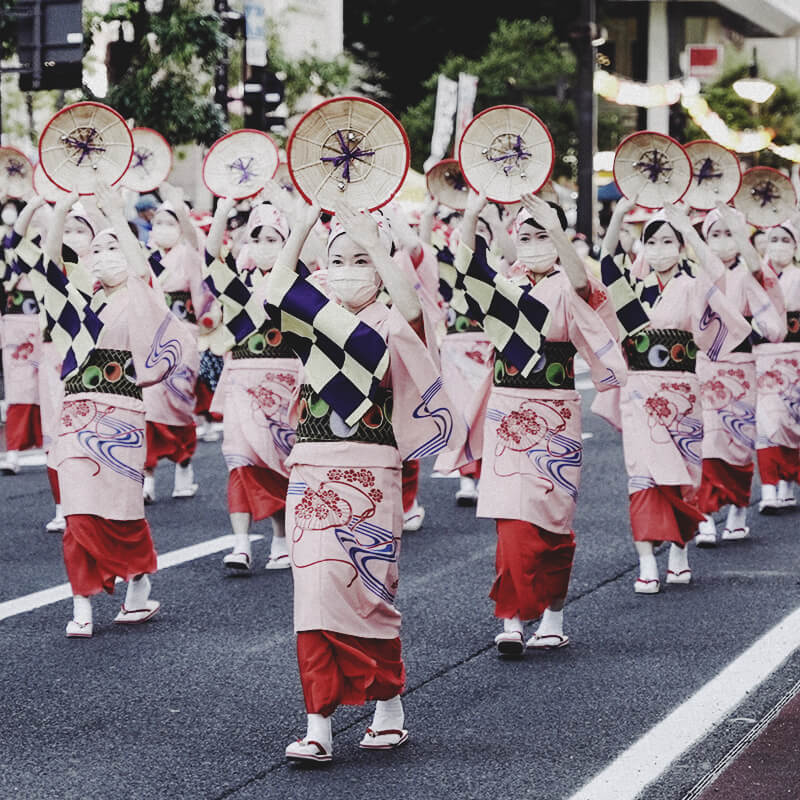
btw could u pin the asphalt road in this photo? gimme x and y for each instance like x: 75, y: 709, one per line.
x: 200, y: 702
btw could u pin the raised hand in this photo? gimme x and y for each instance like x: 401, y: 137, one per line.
x: 541, y: 211
x: 358, y: 225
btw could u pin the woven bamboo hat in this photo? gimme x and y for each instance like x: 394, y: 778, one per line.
x: 151, y: 162
x: 348, y: 147
x: 44, y: 187
x: 446, y: 183
x: 85, y: 142
x: 506, y: 151
x: 240, y: 163
x: 766, y: 197
x: 652, y: 169
x: 716, y: 174
x: 16, y: 173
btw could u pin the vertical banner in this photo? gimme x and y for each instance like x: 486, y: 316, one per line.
x: 467, y: 91
x: 444, y: 114
x: 255, y: 32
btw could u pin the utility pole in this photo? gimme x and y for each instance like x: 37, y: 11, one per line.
x: 583, y: 35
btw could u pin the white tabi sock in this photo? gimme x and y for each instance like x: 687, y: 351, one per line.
x: 389, y: 715
x: 552, y: 623
x: 138, y: 593
x: 513, y: 625
x: 648, y: 566
x: 785, y: 491
x: 240, y: 522
x: 319, y: 730
x: 678, y: 559
x: 737, y: 516
x: 707, y: 525
x: 81, y: 609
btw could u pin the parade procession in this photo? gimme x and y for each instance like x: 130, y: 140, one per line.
x: 309, y: 453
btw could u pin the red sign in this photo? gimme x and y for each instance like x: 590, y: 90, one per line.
x: 704, y: 61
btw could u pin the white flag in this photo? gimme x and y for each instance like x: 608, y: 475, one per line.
x: 467, y: 91
x: 444, y: 115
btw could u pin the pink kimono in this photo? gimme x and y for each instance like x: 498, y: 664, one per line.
x: 100, y: 449
x: 344, y: 520
x: 22, y: 346
x: 532, y: 447
x: 170, y: 404
x: 778, y: 382
x: 728, y: 394
x: 662, y: 427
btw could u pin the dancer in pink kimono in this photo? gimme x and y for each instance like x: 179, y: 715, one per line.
x: 259, y: 380
x: 661, y: 418
x: 778, y: 377
x: 177, y: 262
x: 22, y: 335
x: 537, y: 319
x: 371, y: 398
x: 728, y: 386
x: 466, y: 352
x: 113, y: 343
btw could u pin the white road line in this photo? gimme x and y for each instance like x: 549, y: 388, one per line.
x: 646, y: 759
x: 28, y: 602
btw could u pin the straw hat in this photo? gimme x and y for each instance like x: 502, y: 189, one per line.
x: 151, y: 162
x: 240, y: 163
x: 348, y: 147
x: 652, y: 169
x: 44, y: 187
x: 766, y: 197
x: 16, y: 173
x: 716, y: 174
x: 446, y: 183
x: 84, y: 142
x: 506, y: 151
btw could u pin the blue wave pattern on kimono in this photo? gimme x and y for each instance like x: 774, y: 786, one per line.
x: 709, y: 318
x: 282, y: 435
x: 637, y: 483
x: 441, y: 416
x: 380, y: 546
x: 740, y: 422
x: 171, y: 352
x: 110, y: 435
x: 561, y: 454
x: 688, y: 438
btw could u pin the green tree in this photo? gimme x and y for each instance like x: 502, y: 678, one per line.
x: 522, y: 65
x: 779, y: 112
x: 167, y: 81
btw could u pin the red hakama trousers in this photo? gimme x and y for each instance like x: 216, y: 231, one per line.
x: 258, y: 491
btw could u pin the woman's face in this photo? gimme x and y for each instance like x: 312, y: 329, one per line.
x: 352, y: 276
x: 627, y: 236
x: 77, y: 236
x: 106, y: 261
x: 265, y: 246
x: 781, y: 248
x: 535, y: 249
x: 722, y: 243
x: 662, y: 250
x: 166, y: 230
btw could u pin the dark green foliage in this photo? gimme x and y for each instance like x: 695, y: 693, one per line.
x: 169, y: 87
x: 523, y: 59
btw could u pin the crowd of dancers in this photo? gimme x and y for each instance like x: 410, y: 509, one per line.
x: 338, y: 351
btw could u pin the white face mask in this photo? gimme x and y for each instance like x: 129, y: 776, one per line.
x: 538, y: 255
x: 724, y: 248
x: 662, y: 257
x: 8, y: 215
x: 354, y: 286
x: 108, y: 267
x: 780, y: 253
x: 165, y: 236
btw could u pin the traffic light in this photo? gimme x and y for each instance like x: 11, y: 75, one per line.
x: 49, y: 44
x: 263, y: 93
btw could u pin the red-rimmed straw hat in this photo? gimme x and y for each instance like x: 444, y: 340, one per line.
x: 506, y: 151
x: 44, y: 187
x: 151, y: 162
x: 446, y: 183
x: 84, y: 143
x: 240, y: 163
x: 766, y: 197
x: 652, y: 169
x: 348, y: 147
x: 16, y: 173
x: 716, y: 174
